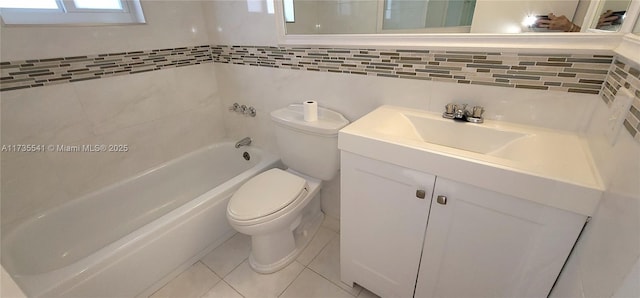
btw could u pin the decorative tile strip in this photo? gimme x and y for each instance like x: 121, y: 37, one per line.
x: 627, y: 74
x: 43, y: 72
x: 560, y: 72
x: 578, y: 73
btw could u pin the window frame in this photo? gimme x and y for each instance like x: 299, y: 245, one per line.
x: 68, y: 14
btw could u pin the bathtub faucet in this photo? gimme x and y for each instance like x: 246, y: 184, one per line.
x: 244, y: 142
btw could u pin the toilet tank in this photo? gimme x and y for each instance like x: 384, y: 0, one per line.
x: 310, y: 148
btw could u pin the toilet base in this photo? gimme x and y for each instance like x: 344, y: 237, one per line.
x: 274, y: 252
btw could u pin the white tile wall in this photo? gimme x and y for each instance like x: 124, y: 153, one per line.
x: 160, y: 115
x: 631, y: 285
x: 269, y: 89
x: 169, y: 24
x: 231, y: 23
x: 610, y: 245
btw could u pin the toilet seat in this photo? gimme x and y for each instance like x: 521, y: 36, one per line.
x: 266, y: 196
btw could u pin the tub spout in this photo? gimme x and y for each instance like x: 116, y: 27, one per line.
x: 244, y: 142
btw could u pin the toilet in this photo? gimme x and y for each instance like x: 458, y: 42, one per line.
x: 280, y: 209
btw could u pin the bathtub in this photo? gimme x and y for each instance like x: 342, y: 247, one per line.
x: 127, y: 239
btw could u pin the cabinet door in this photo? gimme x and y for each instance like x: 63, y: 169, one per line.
x: 486, y: 244
x: 383, y: 218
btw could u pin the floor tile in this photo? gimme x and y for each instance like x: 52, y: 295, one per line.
x: 319, y: 241
x: 252, y: 284
x: 331, y: 223
x: 224, y: 258
x: 222, y: 290
x: 327, y: 264
x: 366, y: 294
x: 311, y: 285
x: 194, y: 282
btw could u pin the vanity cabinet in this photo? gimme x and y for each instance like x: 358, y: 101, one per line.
x: 384, y: 212
x: 405, y: 233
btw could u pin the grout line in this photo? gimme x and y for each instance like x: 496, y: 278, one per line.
x: 230, y: 286
x: 321, y: 250
x: 323, y: 247
x: 294, y: 279
x: 215, y: 284
x: 335, y: 284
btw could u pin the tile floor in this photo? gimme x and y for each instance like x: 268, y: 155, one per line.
x: 225, y: 272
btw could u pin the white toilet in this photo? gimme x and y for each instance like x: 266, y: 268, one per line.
x: 280, y: 209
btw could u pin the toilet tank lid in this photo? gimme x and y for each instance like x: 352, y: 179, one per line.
x: 329, y: 122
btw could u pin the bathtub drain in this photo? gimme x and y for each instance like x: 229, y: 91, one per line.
x: 246, y: 156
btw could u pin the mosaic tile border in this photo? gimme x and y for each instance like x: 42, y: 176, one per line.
x: 578, y: 73
x: 623, y: 73
x: 42, y: 72
x: 558, y: 72
x: 555, y: 72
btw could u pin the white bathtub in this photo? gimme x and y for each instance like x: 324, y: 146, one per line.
x: 122, y: 240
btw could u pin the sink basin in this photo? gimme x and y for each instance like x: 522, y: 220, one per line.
x: 432, y: 128
x: 461, y: 135
x: 543, y: 165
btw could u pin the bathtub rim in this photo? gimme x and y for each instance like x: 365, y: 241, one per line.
x: 85, y: 266
x: 126, y: 180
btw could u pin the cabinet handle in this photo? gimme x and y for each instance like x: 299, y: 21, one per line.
x: 442, y: 200
x: 420, y: 193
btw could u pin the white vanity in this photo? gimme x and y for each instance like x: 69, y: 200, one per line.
x: 431, y: 207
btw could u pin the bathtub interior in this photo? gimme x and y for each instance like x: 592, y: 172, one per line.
x: 45, y: 243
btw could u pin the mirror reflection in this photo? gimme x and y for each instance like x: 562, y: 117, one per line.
x: 610, y: 16
x: 450, y: 16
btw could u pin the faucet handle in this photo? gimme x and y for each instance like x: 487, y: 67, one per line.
x: 450, y: 108
x: 477, y: 112
x: 250, y: 111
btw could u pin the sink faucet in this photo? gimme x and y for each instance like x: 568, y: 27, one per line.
x: 460, y: 112
x: 244, y: 142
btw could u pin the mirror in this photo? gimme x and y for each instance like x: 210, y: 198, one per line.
x: 448, y: 16
x: 610, y: 15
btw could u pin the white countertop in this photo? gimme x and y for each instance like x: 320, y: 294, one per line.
x: 550, y: 167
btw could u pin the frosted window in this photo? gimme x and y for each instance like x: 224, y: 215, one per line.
x: 32, y: 4
x: 98, y: 4
x: 89, y: 12
x: 289, y: 15
x: 254, y: 6
x: 270, y: 7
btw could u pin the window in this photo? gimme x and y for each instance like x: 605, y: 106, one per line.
x: 71, y: 11
x: 289, y: 12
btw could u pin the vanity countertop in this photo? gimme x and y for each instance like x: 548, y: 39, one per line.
x: 550, y: 167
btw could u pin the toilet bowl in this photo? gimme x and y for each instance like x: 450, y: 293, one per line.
x: 270, y: 208
x: 280, y: 209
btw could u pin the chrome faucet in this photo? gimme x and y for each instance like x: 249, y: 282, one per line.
x: 244, y: 142
x: 460, y: 112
